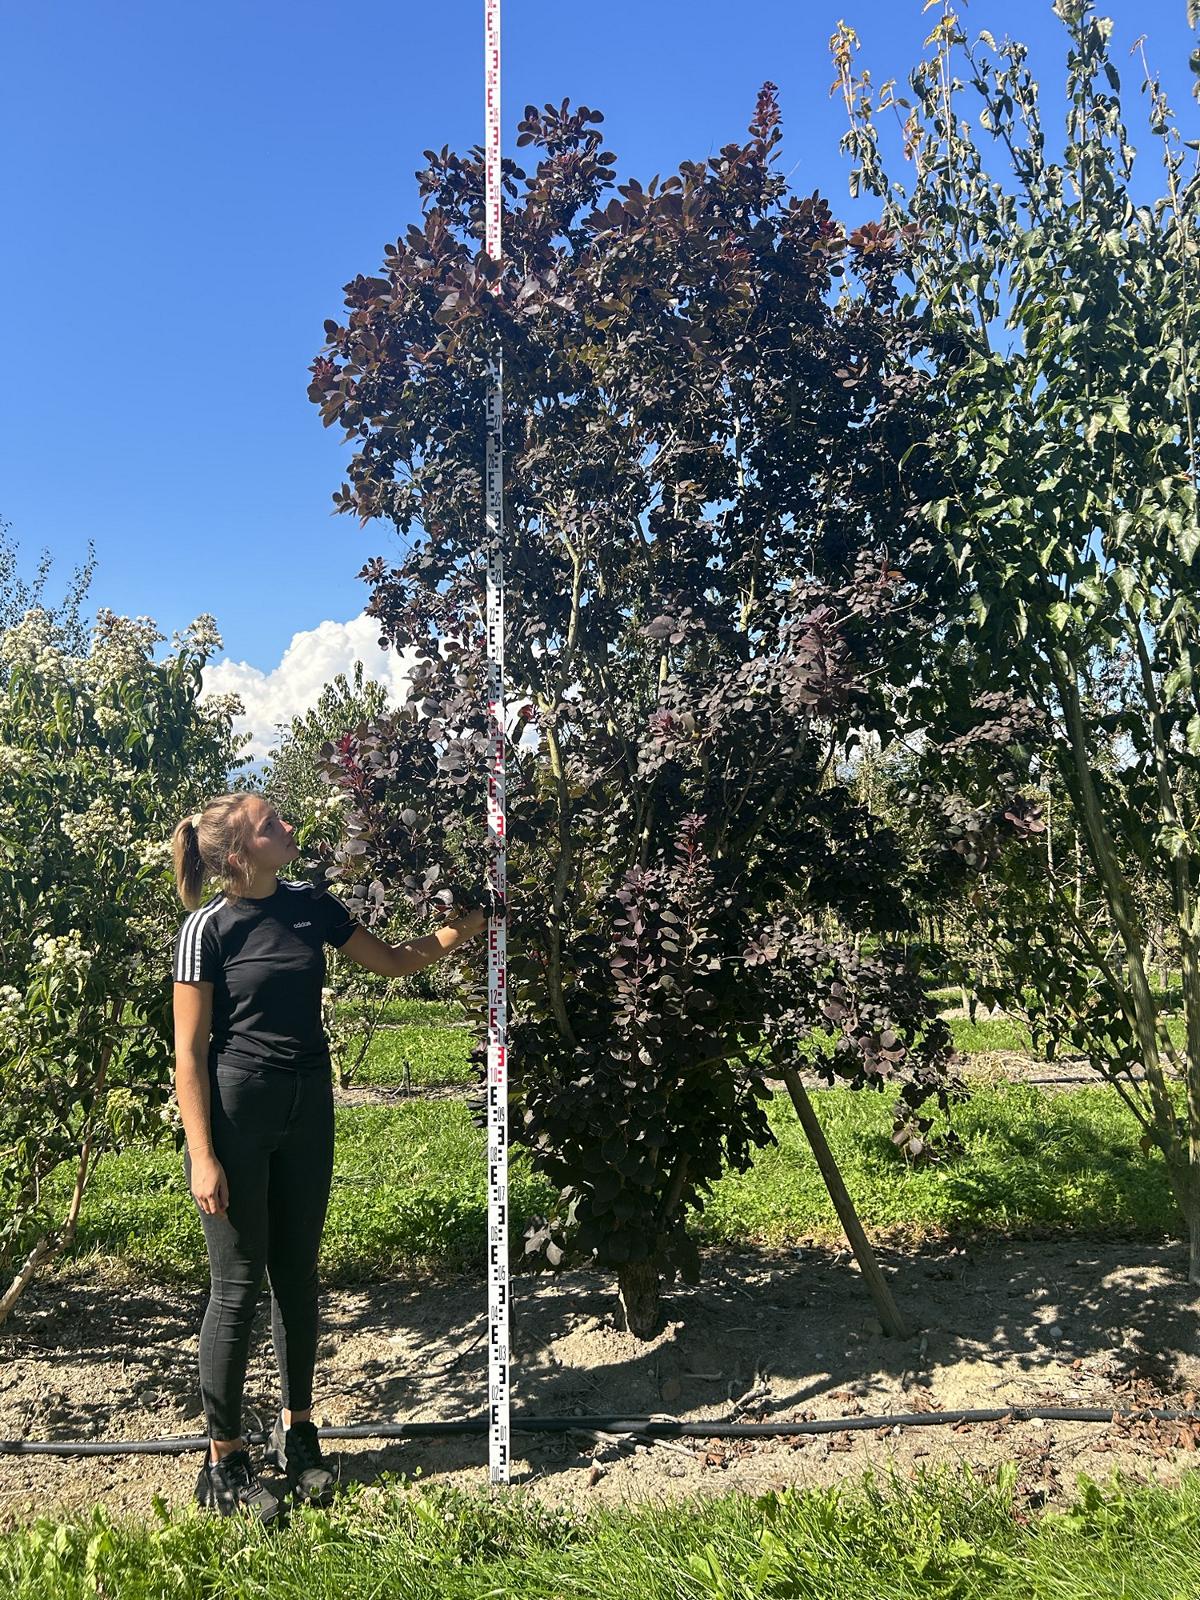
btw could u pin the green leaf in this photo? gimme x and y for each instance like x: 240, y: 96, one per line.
x: 1193, y: 735
x: 1114, y: 418
x: 1174, y: 840
x: 1180, y: 678
x: 1059, y: 614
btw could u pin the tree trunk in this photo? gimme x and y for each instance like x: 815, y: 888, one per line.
x: 51, y: 1243
x: 638, y: 1285
x: 1186, y: 1193
x: 42, y: 1250
x: 1187, y: 1198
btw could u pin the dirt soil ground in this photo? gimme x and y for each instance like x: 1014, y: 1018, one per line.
x: 778, y: 1336
x: 983, y: 1068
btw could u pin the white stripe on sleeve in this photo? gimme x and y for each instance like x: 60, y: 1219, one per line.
x: 187, y: 968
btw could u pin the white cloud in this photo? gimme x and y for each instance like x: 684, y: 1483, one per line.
x: 313, y: 659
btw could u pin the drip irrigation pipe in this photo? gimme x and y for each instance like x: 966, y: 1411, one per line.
x: 639, y: 1427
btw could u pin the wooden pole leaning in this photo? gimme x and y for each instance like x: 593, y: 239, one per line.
x: 889, y: 1313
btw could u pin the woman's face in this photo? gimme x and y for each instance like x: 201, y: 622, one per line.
x: 272, y: 843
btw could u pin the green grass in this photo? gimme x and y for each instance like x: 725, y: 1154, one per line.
x: 1032, y: 1161
x: 408, y: 1191
x: 989, y: 1033
x: 431, y: 1013
x: 944, y: 1537
x: 1173, y: 988
x: 1005, y: 1033
x: 434, y: 1055
x: 409, y: 1184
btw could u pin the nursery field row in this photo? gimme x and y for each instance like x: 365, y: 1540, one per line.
x: 422, y: 1046
x: 409, y: 1184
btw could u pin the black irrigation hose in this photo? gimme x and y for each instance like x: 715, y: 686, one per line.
x: 640, y: 1427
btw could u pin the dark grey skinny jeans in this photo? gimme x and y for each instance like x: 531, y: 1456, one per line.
x: 272, y: 1131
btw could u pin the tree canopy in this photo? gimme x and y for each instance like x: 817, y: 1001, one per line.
x: 707, y: 528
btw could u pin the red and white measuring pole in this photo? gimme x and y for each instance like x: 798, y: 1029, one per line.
x: 497, y: 1063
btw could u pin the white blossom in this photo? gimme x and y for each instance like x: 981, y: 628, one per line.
x: 122, y: 648
x: 63, y: 951
x: 156, y: 853
x: 101, y: 822
x: 15, y: 760
x: 220, y: 706
x: 201, y: 637
x: 34, y: 643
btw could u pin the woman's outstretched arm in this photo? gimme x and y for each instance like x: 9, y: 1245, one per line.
x: 399, y: 960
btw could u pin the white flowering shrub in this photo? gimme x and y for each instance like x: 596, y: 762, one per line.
x: 100, y: 755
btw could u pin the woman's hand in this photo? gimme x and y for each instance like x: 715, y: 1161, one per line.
x: 472, y: 920
x: 210, y: 1186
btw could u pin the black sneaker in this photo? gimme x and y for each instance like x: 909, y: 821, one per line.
x: 231, y: 1484
x: 297, y: 1451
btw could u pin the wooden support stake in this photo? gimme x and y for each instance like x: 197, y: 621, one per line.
x: 889, y: 1314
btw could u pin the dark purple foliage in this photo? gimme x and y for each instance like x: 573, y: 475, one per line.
x: 709, y: 525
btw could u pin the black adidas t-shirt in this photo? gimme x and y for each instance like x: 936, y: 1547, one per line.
x: 266, y: 962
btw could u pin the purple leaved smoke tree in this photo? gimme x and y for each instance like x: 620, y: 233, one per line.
x: 709, y: 400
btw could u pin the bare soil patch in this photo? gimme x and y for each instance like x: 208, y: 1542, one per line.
x: 988, y: 1067
x: 375, y: 1094
x: 790, y: 1335
x: 983, y: 1069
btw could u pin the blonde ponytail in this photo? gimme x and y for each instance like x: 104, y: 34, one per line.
x: 189, y: 867
x: 202, y: 851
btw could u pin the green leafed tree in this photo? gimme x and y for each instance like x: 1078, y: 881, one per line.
x: 101, y: 752
x: 18, y: 596
x: 291, y: 777
x: 1061, y: 305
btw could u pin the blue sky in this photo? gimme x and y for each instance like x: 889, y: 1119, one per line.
x: 187, y: 188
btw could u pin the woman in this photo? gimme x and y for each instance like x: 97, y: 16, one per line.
x: 254, y: 1084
